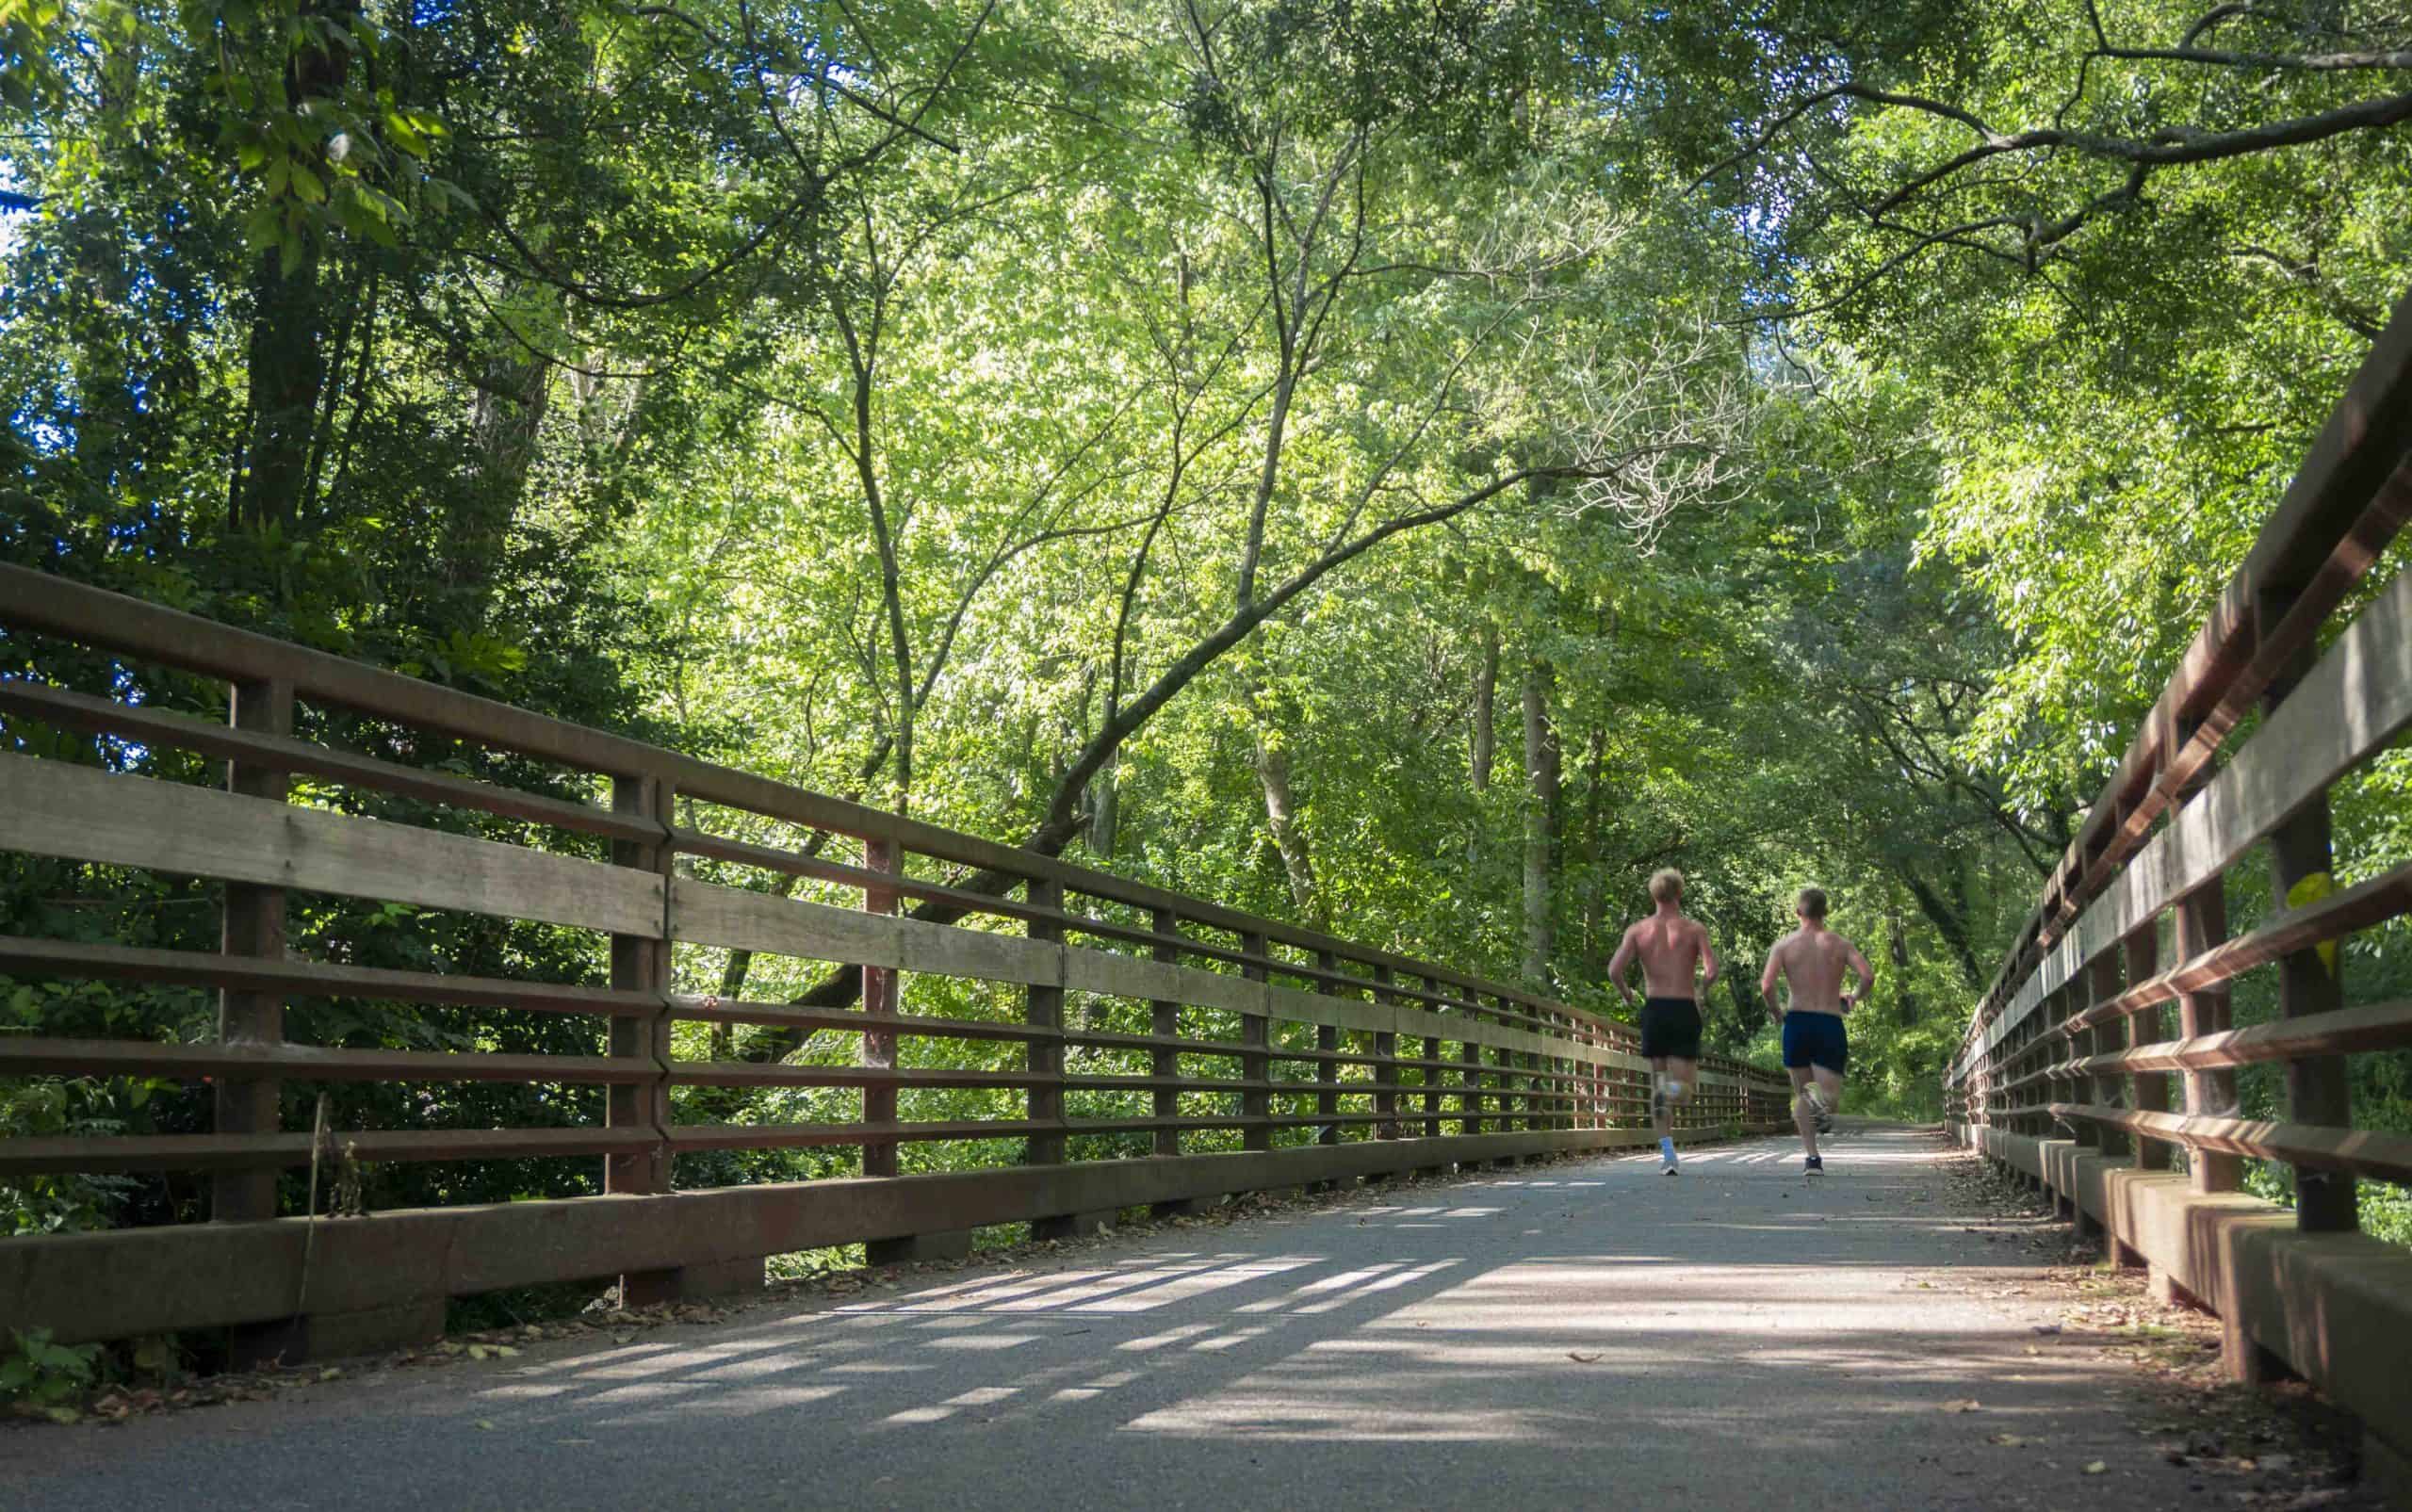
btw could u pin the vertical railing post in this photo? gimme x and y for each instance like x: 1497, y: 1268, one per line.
x: 1256, y: 1066
x: 2318, y: 1092
x: 1043, y: 1008
x: 1326, y: 1069
x: 2066, y: 1004
x: 254, y: 926
x: 640, y: 965
x: 1431, y: 1082
x: 1385, y: 1069
x: 2202, y: 923
x: 1164, y: 1062
x: 1163, y: 1021
x: 880, y: 996
x: 2150, y: 1091
x: 1469, y: 1082
x: 2201, y: 920
x: 2107, y: 1038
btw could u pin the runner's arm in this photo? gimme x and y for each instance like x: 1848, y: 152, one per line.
x: 1767, y: 978
x: 1867, y: 975
x: 1618, y: 963
x: 1709, y: 966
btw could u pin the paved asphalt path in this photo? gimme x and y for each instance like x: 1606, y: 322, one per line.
x: 1582, y: 1334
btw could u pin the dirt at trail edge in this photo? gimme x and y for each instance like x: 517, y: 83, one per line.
x: 2278, y: 1447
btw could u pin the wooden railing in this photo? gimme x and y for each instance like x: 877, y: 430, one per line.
x: 2066, y: 1069
x: 1322, y: 1060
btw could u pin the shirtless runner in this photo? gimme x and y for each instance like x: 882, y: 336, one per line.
x: 1673, y: 948
x: 1812, y: 960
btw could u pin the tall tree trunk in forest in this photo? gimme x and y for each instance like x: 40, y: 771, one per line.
x: 1105, y: 815
x: 287, y: 367
x: 1282, y: 818
x: 1486, y: 694
x: 1486, y: 733
x: 1595, y: 952
x: 1950, y: 921
x: 1541, y: 815
x: 505, y: 419
x: 1905, y: 1002
x: 285, y: 360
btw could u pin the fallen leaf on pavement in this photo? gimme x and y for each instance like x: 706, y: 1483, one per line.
x: 1964, y: 1406
x: 1582, y: 1358
x: 2098, y: 1468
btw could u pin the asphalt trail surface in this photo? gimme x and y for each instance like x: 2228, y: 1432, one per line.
x: 1582, y: 1334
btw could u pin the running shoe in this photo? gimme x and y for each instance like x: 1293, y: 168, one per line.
x: 1821, y: 1117
x: 1667, y: 1155
x: 1813, y: 1165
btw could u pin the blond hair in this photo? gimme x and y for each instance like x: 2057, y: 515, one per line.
x: 1813, y: 903
x: 1666, y: 885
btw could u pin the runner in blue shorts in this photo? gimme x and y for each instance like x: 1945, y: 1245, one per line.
x: 1812, y: 960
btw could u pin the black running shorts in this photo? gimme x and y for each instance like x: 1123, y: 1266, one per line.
x: 1670, y: 1028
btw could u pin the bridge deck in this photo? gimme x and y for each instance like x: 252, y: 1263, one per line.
x: 1759, y: 1342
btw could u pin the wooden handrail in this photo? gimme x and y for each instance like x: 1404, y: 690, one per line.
x: 1320, y: 1058
x: 2066, y: 1071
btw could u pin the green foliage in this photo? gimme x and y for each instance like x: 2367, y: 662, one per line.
x: 43, y: 1379
x: 919, y: 404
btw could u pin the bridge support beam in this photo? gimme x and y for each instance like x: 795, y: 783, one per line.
x: 1073, y: 1224
x: 947, y: 1245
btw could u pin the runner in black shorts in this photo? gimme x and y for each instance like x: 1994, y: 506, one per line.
x: 1672, y: 950
x: 1812, y: 960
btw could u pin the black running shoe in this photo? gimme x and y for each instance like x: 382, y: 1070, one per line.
x: 1813, y: 1165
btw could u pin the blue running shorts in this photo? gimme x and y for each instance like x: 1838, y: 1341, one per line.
x: 1815, y: 1039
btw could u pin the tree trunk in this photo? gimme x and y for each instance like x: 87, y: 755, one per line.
x: 287, y: 367
x: 1485, y: 692
x: 1595, y: 952
x: 1540, y: 817
x: 504, y: 420
x: 1280, y: 816
x: 1950, y: 924
x: 1897, y: 946
x: 286, y: 359
x: 1105, y: 815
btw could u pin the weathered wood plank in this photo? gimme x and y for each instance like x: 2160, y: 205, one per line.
x: 157, y: 726
x: 1125, y: 976
x: 848, y: 1020
x: 2378, y: 1027
x: 227, y: 1152
x: 702, y: 913
x: 2356, y: 699
x: 82, y: 814
x: 2382, y: 1156
x: 20, y: 956
x: 24, y: 1055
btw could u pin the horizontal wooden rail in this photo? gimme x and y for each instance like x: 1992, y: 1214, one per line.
x: 1144, y: 1026
x: 2086, y: 1032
